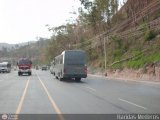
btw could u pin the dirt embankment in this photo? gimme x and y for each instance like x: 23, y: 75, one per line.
x: 150, y: 72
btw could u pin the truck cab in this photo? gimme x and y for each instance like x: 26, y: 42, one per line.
x: 24, y: 66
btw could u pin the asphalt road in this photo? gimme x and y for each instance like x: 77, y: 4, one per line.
x: 41, y: 93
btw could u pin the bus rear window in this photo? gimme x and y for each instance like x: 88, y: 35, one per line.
x: 72, y: 59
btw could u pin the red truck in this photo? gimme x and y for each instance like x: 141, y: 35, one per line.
x: 24, y: 65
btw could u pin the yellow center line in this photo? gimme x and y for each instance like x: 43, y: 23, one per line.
x: 54, y: 105
x: 22, y: 98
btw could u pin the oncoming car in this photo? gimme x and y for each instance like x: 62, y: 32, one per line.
x: 44, y: 67
x: 5, y: 67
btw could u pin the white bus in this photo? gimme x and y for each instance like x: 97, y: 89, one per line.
x: 5, y: 67
x: 70, y: 64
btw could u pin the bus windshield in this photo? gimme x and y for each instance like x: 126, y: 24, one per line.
x: 24, y: 61
x: 3, y: 65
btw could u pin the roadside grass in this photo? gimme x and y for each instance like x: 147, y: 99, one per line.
x: 143, y: 60
x: 138, y: 62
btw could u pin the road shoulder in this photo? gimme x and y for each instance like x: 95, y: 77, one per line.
x: 126, y: 79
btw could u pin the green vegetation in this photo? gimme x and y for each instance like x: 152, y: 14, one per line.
x: 143, y: 60
x: 149, y: 35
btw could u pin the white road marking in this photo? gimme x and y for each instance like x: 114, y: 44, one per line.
x: 132, y: 103
x: 90, y: 88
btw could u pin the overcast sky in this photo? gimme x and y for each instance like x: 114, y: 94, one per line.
x: 24, y: 20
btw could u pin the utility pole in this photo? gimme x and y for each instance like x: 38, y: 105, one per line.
x: 69, y: 46
x: 105, y: 60
x: 28, y: 55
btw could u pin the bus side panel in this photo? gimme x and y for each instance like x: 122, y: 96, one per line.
x: 58, y: 69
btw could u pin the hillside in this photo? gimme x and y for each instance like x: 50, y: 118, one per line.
x: 6, y: 46
x: 133, y: 45
x: 114, y: 40
x: 123, y: 42
x: 9, y: 47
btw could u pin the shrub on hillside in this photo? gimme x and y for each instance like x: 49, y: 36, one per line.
x: 149, y: 35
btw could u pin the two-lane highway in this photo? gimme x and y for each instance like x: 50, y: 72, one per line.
x: 41, y: 93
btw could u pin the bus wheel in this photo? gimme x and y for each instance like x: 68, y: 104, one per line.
x: 77, y: 79
x: 60, y: 79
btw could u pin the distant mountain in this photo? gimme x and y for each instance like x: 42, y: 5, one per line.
x: 32, y: 49
x: 14, y: 46
x: 6, y: 45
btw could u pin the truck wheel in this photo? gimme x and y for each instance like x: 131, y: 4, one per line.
x: 29, y: 73
x: 19, y: 74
